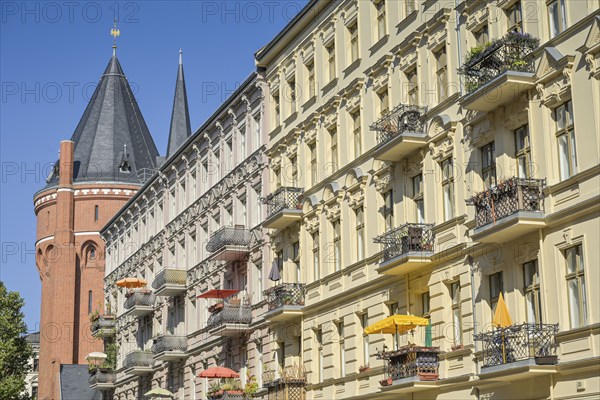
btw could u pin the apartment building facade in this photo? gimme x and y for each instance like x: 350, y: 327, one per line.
x: 435, y: 148
x: 193, y: 227
x: 388, y: 157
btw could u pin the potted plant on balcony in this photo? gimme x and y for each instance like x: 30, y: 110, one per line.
x: 251, y: 386
x: 234, y: 302
x: 364, y: 368
x: 215, y: 390
x: 385, y: 382
x: 232, y: 387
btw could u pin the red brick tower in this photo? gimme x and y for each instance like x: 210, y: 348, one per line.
x: 99, y: 169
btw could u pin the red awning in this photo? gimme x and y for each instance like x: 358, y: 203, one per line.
x: 218, y: 293
x: 218, y: 372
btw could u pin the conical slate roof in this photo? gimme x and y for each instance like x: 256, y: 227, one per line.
x: 180, y: 117
x: 112, y: 141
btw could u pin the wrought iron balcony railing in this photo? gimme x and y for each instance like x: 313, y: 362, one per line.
x: 511, y: 53
x: 285, y: 294
x: 518, y: 343
x: 404, y: 118
x: 104, y: 323
x: 411, y: 361
x: 405, y: 239
x: 169, y: 343
x: 291, y: 374
x: 170, y: 276
x: 230, y: 314
x: 102, y: 376
x: 284, y: 198
x: 507, y: 198
x: 228, y: 236
x: 138, y: 358
x: 140, y: 298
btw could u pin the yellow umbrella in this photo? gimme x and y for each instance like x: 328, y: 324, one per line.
x: 501, y: 316
x: 131, y: 283
x: 502, y: 320
x: 395, y: 324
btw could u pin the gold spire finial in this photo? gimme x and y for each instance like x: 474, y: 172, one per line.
x: 115, y: 33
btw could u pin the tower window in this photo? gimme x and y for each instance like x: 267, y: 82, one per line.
x: 90, y: 302
x: 96, y: 212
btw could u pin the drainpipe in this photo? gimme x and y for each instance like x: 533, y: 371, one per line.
x: 458, y: 44
x: 472, y: 273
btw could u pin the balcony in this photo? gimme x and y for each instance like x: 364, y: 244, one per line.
x: 103, y: 326
x: 291, y: 379
x: 138, y: 363
x: 406, y: 248
x: 496, y: 75
x: 285, y: 301
x: 284, y: 207
x: 230, y: 243
x: 102, y: 379
x: 169, y: 347
x: 509, y: 210
x: 410, y: 368
x: 139, y: 302
x: 170, y: 282
x: 229, y: 319
x: 519, y: 349
x: 400, y: 132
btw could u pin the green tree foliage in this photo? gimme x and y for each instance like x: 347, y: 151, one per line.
x: 14, y: 350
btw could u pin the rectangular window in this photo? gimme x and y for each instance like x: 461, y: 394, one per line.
x: 365, y: 322
x: 515, y: 18
x: 342, y: 348
x: 456, y: 313
x: 330, y: 49
x: 316, y: 246
x: 448, y: 188
x: 319, y: 358
x: 576, y: 287
x: 360, y: 233
x: 276, y: 109
x: 353, y: 35
x: 488, y: 165
x: 333, y: 141
x: 557, y: 15
x: 310, y: 72
x: 384, y: 102
x: 413, y: 87
x: 380, y: 22
x: 356, y: 128
x: 531, y: 288
x: 96, y: 213
x: 425, y: 304
x: 173, y: 209
x: 337, y: 245
x: 388, y: 209
x: 257, y: 139
x: 296, y: 260
x: 419, y: 198
x: 482, y: 36
x: 294, y: 171
x: 312, y: 149
x: 90, y: 299
x: 523, y: 152
x: 565, y: 135
x: 277, y: 174
x: 410, y: 7
x: 496, y: 287
x: 292, y: 96
x: 441, y: 73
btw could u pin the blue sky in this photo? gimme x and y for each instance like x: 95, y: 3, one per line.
x: 51, y: 57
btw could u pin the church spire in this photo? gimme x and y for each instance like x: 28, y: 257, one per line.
x: 180, y: 117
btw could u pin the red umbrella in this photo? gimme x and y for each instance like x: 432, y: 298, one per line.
x: 218, y: 293
x: 218, y: 372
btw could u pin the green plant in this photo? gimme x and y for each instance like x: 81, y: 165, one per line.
x: 215, y: 386
x: 94, y: 315
x: 251, y: 386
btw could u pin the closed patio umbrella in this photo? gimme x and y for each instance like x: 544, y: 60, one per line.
x: 502, y: 320
x: 274, y: 274
x: 131, y: 283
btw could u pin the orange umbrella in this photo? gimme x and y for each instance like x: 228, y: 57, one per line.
x: 218, y: 372
x: 131, y: 283
x: 502, y: 317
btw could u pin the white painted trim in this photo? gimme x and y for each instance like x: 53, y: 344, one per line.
x: 44, y: 239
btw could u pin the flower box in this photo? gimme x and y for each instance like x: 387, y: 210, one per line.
x: 385, y: 382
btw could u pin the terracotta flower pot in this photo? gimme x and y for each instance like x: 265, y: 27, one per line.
x: 385, y: 382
